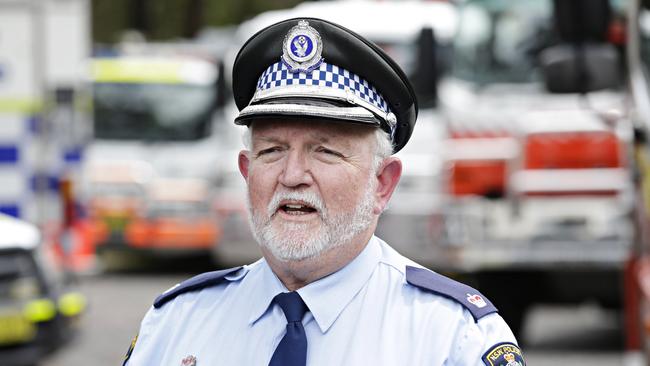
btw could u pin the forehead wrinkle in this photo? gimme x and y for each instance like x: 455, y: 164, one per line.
x: 320, y: 132
x: 347, y: 137
x: 316, y: 135
x: 313, y: 134
x: 269, y: 139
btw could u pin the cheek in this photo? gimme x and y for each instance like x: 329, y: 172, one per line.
x: 260, y: 187
x: 343, y: 190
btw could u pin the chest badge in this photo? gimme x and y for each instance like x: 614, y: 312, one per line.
x: 189, y: 361
x: 302, y: 48
x: 476, y: 300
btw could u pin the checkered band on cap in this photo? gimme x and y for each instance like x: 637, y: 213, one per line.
x: 326, y: 75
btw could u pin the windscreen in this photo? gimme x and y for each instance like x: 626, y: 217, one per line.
x: 19, y: 280
x: 151, y: 111
x: 499, y: 40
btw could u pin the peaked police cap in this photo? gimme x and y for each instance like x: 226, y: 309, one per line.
x: 308, y: 68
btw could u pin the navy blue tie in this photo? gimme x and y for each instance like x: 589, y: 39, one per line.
x: 292, y: 350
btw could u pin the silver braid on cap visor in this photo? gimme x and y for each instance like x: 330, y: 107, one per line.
x: 327, y: 82
x: 358, y: 114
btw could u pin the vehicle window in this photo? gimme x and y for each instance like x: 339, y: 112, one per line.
x: 18, y: 277
x: 52, y: 270
x: 644, y: 39
x: 131, y: 190
x: 152, y: 111
x: 179, y: 209
x: 499, y: 41
x: 403, y: 53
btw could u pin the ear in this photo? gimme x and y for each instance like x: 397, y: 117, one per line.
x: 243, y: 162
x: 387, y: 178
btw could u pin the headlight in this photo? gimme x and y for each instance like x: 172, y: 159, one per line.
x: 72, y: 304
x: 40, y: 310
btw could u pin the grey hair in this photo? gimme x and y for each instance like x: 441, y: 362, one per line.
x: 383, y: 148
x: 383, y: 145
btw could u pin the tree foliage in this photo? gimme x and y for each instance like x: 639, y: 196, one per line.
x: 172, y: 19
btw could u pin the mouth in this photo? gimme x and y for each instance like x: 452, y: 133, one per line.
x: 296, y: 208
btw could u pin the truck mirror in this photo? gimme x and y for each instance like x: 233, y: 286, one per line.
x: 582, y: 20
x: 220, y: 86
x: 580, y: 68
x: 425, y: 78
x: 645, y: 4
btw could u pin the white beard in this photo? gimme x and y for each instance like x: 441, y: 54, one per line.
x: 293, y: 241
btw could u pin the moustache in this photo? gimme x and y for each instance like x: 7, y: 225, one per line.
x: 309, y: 198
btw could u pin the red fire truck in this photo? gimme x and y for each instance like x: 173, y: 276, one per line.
x: 538, y: 195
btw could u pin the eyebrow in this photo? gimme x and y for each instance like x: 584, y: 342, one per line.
x: 277, y: 140
x: 268, y: 139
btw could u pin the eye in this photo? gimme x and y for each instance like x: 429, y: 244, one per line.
x: 269, y: 150
x: 327, y: 151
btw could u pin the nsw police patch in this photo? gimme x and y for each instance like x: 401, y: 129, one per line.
x: 504, y: 354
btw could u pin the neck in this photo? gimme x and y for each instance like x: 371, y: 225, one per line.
x: 297, y: 274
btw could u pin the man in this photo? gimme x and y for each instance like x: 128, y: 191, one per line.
x: 325, y: 109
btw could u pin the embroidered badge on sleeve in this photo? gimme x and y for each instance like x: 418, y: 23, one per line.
x: 189, y: 361
x: 504, y: 354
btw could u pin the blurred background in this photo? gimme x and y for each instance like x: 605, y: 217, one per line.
x: 527, y: 175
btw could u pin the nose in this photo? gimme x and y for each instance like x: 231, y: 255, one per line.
x: 296, y: 173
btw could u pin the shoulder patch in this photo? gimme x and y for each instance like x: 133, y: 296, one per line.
x: 477, y: 304
x: 195, y: 283
x: 504, y: 354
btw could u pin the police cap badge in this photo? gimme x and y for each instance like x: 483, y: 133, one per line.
x: 302, y: 48
x: 310, y: 68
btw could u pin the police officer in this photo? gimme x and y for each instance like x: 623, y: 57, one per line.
x: 325, y: 110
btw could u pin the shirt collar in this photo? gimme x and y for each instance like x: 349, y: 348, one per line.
x: 264, y: 290
x: 327, y: 297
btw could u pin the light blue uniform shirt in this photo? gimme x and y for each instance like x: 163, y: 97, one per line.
x: 364, y: 314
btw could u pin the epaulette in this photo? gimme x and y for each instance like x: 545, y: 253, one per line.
x: 472, y: 300
x: 193, y: 284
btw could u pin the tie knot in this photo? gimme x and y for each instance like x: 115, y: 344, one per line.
x: 292, y: 306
